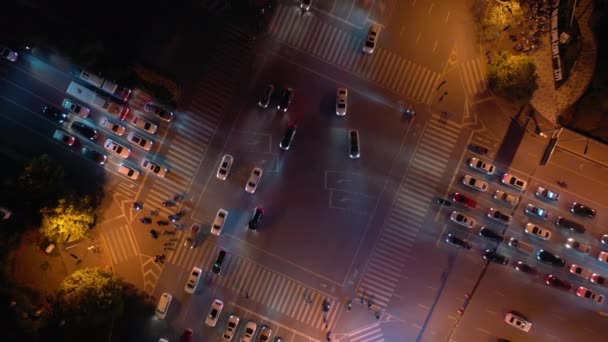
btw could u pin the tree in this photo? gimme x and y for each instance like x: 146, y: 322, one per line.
x: 513, y: 76
x: 500, y: 16
x: 41, y: 180
x: 70, y: 219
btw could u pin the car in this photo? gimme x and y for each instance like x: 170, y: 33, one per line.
x: 505, y: 197
x: 499, y: 216
x: 254, y: 180
x: 550, y: 258
x: 224, y: 168
x: 305, y: 4
x: 372, y: 38
x: 160, y: 112
x: 140, y: 141
x: 191, y: 238
x: 474, y: 183
x: 64, y: 137
x: 111, y: 126
x: 8, y: 54
x: 468, y: 201
x: 584, y: 292
x: 163, y: 305
x: 493, y: 256
x: 214, y: 312
x: 193, y: 279
x: 599, y: 279
x: 514, y: 182
x: 490, y: 234
x: 154, y: 168
x: 518, y: 322
x: 128, y: 171
x: 217, y: 265
x: 546, y: 194
x: 186, y: 336
x: 537, y: 231
x: 54, y: 113
x: 577, y: 246
x: 481, y: 166
x: 522, y: 246
x: 97, y: 157
x: 354, y: 151
x: 536, y: 211
x: 525, y: 268
x: 250, y: 329
x: 117, y: 149
x: 265, y: 333
x: 84, y: 130
x: 233, y: 323
x: 290, y: 132
x: 604, y: 239
x: 554, y: 281
x: 341, y: 101
x: 286, y: 100
x: 76, y: 108
x: 258, y: 212
x: 6, y: 213
x: 603, y: 256
x: 569, y: 224
x: 458, y: 242
x: 582, y: 272
x: 582, y: 210
x: 462, y: 219
x: 218, y: 223
x: 145, y: 124
x: 266, y: 97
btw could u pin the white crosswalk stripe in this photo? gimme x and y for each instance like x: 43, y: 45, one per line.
x: 370, y: 333
x: 474, y: 76
x: 408, y: 211
x: 121, y: 243
x: 314, y: 36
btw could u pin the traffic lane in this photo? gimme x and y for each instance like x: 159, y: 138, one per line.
x: 29, y: 69
x: 581, y: 172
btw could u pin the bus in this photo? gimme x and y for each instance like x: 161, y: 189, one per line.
x: 107, y: 86
x: 92, y: 98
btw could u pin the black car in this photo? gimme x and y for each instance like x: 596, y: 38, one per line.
x: 54, y: 113
x: 554, y: 281
x: 258, y: 212
x: 288, y: 137
x: 162, y: 113
x: 490, y: 234
x: 286, y: 99
x: 569, y: 224
x: 266, y: 97
x: 217, y: 266
x: 493, y: 256
x: 84, y: 130
x: 458, y: 242
x: 582, y: 210
x: 520, y: 266
x: 550, y: 258
x: 353, y: 139
x: 94, y: 155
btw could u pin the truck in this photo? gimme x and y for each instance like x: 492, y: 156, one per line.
x: 107, y: 86
x: 522, y: 246
x: 90, y: 97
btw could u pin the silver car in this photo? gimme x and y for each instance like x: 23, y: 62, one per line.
x: 582, y: 272
x: 480, y: 165
x: 144, y: 124
x: 233, y: 323
x: 117, y: 148
x: 463, y: 219
x: 218, y: 223
x: 154, y: 168
x: 536, y: 211
x: 254, y: 180
x: 224, y: 168
x: 474, y: 183
x: 506, y: 198
x: 577, y: 246
x: 341, y: 101
x: 140, y: 141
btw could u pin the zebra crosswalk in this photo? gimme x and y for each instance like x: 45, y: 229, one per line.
x: 408, y: 211
x: 474, y: 76
x: 370, y: 333
x: 340, y: 47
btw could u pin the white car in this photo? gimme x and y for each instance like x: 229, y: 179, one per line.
x: 499, y: 216
x: 145, y: 124
x: 506, y: 198
x: 254, y: 180
x: 117, y: 149
x: 193, y: 278
x: 76, y: 108
x: 474, y: 183
x: 127, y: 171
x: 481, y: 166
x: 341, y: 101
x: 514, y: 182
x: 224, y: 168
x: 603, y: 256
x: 8, y: 54
x: 547, y: 194
x: 250, y: 329
x: 536, y: 212
x: 214, y: 312
x: 463, y: 219
x: 233, y: 323
x: 114, y: 127
x: 372, y: 38
x: 577, y: 246
x: 154, y: 168
x: 582, y: 272
x: 265, y: 333
x: 518, y: 322
x: 140, y: 141
x: 218, y: 223
x: 589, y: 294
x: 539, y: 232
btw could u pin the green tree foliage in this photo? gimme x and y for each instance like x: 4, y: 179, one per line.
x: 71, y: 219
x: 513, y: 76
x: 500, y: 15
x: 42, y: 180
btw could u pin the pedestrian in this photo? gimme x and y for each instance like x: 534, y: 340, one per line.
x: 377, y: 314
x: 349, y: 305
x: 246, y: 295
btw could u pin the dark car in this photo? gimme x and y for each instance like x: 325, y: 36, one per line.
x: 353, y: 140
x: 286, y: 99
x: 217, y: 266
x: 458, y: 242
x: 550, y: 258
x: 468, y: 201
x: 490, y: 234
x: 94, y: 155
x: 493, y: 256
x: 582, y: 210
x: 554, y: 281
x: 288, y: 137
x: 54, y: 113
x: 266, y: 97
x: 162, y: 113
x: 569, y: 224
x: 256, y: 218
x: 84, y: 130
x: 525, y: 268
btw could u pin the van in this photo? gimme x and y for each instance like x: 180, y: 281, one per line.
x: 91, y: 78
x: 569, y: 224
x: 163, y: 305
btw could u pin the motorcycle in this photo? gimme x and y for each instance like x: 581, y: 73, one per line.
x: 444, y: 202
x: 138, y: 206
x: 153, y: 234
x: 145, y: 220
x: 162, y: 223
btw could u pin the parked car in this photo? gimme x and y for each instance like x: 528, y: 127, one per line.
x: 64, y: 137
x: 84, y: 130
x: 163, y: 305
x: 372, y: 38
x: 582, y: 210
x: 286, y: 100
x: 550, y: 258
x: 128, y: 171
x: 266, y: 97
x: 154, y: 168
x: 111, y: 126
x: 233, y: 323
x: 546, y: 194
x: 254, y: 180
x: 140, y: 141
x: 193, y: 279
x: 536, y: 212
x: 493, y: 256
x: 117, y: 149
x: 463, y: 219
x: 160, y: 112
x: 474, y: 183
x: 554, y: 281
x: 490, y: 234
x: 525, y: 268
x: 54, y: 113
x: 518, y: 322
x: 97, y: 157
x: 354, y: 150
x: 506, y: 198
x: 580, y: 271
x: 599, y: 279
x: 290, y: 132
x: 8, y: 54
x: 481, y: 166
x: 224, y: 168
x: 265, y: 333
x: 577, y: 246
x: 468, y: 201
x: 214, y: 312
x: 218, y: 222
x: 499, y: 216
x: 514, y: 182
x: 250, y: 329
x: 76, y: 108
x: 603, y: 256
x: 458, y: 242
x: 145, y: 124
x: 258, y: 212
x: 584, y: 292
x: 217, y: 265
x: 341, y: 101
x: 576, y: 227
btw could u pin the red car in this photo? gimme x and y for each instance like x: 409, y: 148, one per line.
x: 186, y: 335
x: 554, y: 281
x: 460, y: 198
